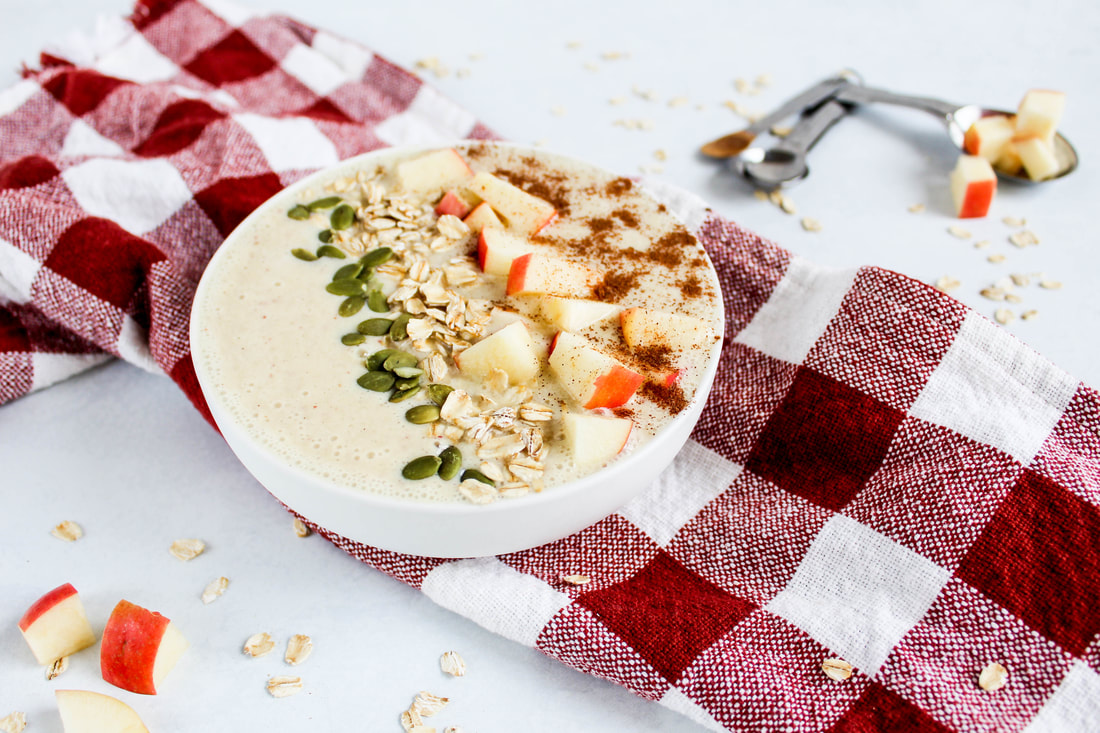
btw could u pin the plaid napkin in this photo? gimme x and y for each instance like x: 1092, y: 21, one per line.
x: 882, y: 476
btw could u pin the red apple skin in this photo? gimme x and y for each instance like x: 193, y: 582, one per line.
x: 518, y: 273
x: 482, y: 250
x: 615, y: 388
x: 131, y: 639
x: 45, y: 603
x: 978, y: 199
x: 547, y: 222
x: 553, y: 343
x: 453, y: 205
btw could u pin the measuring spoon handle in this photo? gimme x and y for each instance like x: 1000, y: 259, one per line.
x: 858, y: 94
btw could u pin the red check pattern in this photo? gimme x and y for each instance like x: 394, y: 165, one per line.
x: 881, y: 475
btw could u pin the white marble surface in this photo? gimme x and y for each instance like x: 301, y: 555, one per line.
x: 123, y: 453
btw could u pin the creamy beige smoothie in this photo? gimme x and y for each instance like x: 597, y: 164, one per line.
x: 468, y: 325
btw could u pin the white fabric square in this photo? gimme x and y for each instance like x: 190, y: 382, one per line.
x: 314, y: 70
x: 17, y: 272
x: 136, y: 59
x: 83, y: 47
x: 430, y: 119
x: 15, y: 96
x: 289, y: 144
x: 139, y: 195
x: 352, y: 58
x: 133, y: 346
x: 994, y: 389
x: 82, y: 139
x: 230, y: 12
x: 501, y: 599
x: 679, y: 702
x: 798, y: 311
x: 52, y: 368
x: 696, y: 477
x: 1074, y: 706
x: 858, y: 592
x: 220, y: 96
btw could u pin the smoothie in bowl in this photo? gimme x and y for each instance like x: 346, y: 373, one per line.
x: 457, y: 351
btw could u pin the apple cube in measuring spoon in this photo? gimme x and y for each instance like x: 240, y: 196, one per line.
x: 1039, y: 113
x: 55, y: 625
x: 988, y: 137
x: 1037, y: 156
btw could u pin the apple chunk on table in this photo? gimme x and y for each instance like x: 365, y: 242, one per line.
x: 496, y: 249
x: 55, y: 625
x: 521, y: 210
x: 433, y: 171
x: 594, y: 440
x: 510, y: 349
x: 973, y: 184
x: 140, y: 647
x: 591, y: 377
x: 540, y: 274
x: 83, y: 711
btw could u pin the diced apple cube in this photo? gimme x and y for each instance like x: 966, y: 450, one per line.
x: 520, y: 210
x: 546, y: 275
x: 83, y: 711
x: 571, y: 314
x: 496, y: 249
x: 1009, y: 162
x: 591, y: 377
x: 1037, y: 156
x: 594, y: 439
x: 1039, y: 113
x: 988, y: 136
x: 678, y: 332
x: 55, y: 625
x: 510, y: 349
x: 433, y: 171
x: 973, y: 184
x: 452, y: 203
x: 140, y: 647
x: 482, y: 216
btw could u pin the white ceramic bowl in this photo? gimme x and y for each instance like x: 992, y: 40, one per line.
x: 438, y: 529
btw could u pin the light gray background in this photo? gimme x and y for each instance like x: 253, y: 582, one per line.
x: 124, y: 454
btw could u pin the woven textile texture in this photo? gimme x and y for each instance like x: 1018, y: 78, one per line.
x: 881, y: 475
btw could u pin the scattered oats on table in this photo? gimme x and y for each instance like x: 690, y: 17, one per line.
x: 462, y: 73
x: 428, y: 704
x: 916, y: 208
x: 1004, y: 316
x: 1046, y: 284
x: 947, y: 283
x: 614, y: 55
x: 68, y: 530
x: 258, y: 645
x: 786, y: 203
x: 1023, y: 238
x: 1015, y: 222
x: 958, y: 232
x: 284, y: 686
x: 591, y: 66
x: 660, y: 154
x: 475, y: 56
x: 811, y: 224
x: 301, y: 529
x: 616, y: 101
x: 410, y: 720
x: 678, y: 102
x: 573, y: 44
x: 981, y: 244
x: 1020, y: 279
x: 1029, y: 315
x: 187, y: 549
x: 996, y: 258
x: 215, y: 589
x: 836, y: 669
x: 760, y: 194
x: 557, y: 110
x: 993, y: 677
x: 13, y: 722
x: 992, y: 293
x: 298, y: 649
x: 453, y: 729
x: 576, y: 579
x: 452, y: 663
x: 781, y: 130
x: 1013, y: 298
x: 57, y: 668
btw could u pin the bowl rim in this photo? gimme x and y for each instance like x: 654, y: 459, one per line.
x: 552, y: 494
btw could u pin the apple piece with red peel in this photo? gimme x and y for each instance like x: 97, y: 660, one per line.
x: 482, y: 216
x: 1039, y: 113
x: 642, y: 327
x: 1037, y: 156
x: 541, y: 274
x: 988, y: 136
x: 83, y: 711
x: 432, y: 171
x: 973, y: 184
x: 591, y: 377
x: 571, y: 314
x: 595, y: 439
x: 520, y: 210
x: 452, y: 204
x: 55, y: 625
x: 496, y: 249
x: 510, y: 349
x: 139, y: 648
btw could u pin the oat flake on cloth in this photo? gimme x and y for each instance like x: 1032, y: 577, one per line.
x: 881, y: 475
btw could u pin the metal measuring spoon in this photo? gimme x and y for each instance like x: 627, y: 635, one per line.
x: 785, y: 162
x: 958, y: 119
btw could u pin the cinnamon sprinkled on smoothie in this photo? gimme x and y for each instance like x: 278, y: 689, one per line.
x: 670, y: 397
x: 690, y: 286
x: 619, y: 186
x: 615, y: 286
x: 627, y: 217
x: 541, y: 187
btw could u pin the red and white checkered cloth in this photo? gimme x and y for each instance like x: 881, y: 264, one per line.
x: 881, y: 475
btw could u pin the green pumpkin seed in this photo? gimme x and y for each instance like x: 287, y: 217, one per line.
x: 348, y: 272
x: 376, y: 257
x: 422, y: 414
x: 403, y: 394
x: 347, y: 288
x: 328, y: 250
x: 398, y: 359
x: 299, y: 212
x: 326, y: 203
x: 438, y: 393
x: 377, y: 359
x: 450, y: 462
x: 421, y: 468
x: 376, y: 301
x: 351, y: 306
x: 352, y: 339
x: 477, y: 475
x: 303, y: 254
x: 399, y: 331
x: 376, y: 381
x: 407, y: 372
x: 325, y: 235
x: 342, y: 217
x: 407, y: 383
x: 375, y: 326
